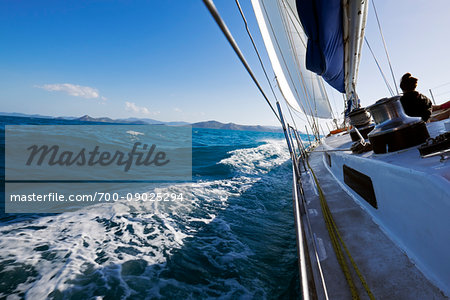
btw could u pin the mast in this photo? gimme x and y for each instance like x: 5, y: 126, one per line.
x: 354, y: 21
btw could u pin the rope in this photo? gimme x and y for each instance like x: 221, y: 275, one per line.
x: 339, y: 244
x: 215, y: 14
x: 379, y: 68
x: 385, y: 47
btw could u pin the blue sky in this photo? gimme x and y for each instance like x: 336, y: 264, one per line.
x: 168, y: 60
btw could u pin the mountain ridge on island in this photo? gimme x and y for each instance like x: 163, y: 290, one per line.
x: 232, y: 126
x: 212, y: 124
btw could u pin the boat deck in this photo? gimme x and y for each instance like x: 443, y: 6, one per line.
x: 402, y: 158
x: 388, y: 271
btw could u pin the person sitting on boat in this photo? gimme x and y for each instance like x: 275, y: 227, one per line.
x: 414, y: 103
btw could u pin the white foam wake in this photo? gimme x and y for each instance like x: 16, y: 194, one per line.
x: 259, y: 160
x: 63, y: 247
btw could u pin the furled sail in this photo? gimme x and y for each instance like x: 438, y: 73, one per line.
x: 322, y: 22
x: 286, y: 43
x: 335, y: 30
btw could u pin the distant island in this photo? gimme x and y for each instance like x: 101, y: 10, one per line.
x: 233, y: 126
x: 146, y: 121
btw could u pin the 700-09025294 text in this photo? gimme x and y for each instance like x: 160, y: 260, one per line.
x: 96, y: 197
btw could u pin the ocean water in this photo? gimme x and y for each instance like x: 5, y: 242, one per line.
x: 232, y: 237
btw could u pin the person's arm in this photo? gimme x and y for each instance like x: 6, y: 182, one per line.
x: 426, y: 107
x: 445, y: 105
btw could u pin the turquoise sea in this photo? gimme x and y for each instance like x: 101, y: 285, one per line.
x: 232, y: 237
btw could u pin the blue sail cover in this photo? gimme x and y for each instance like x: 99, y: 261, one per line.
x: 322, y: 23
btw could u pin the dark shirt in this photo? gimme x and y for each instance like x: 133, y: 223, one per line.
x: 416, y: 105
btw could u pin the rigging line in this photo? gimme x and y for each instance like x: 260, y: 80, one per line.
x: 312, y: 76
x: 297, y: 19
x: 279, y: 49
x: 286, y: 16
x: 334, y: 104
x: 344, y: 117
x: 302, y: 150
x: 315, y: 106
x: 302, y: 83
x: 328, y: 98
x: 290, y: 38
x: 379, y: 68
x: 292, y: 118
x: 291, y: 42
x: 215, y: 14
x: 345, y: 104
x: 442, y: 93
x: 305, y: 90
x: 297, y: 114
x: 441, y: 85
x: 254, y: 47
x: 385, y: 47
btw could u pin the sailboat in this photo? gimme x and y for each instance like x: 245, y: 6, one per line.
x: 372, y: 204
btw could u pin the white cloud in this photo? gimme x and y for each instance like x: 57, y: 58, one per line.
x: 73, y: 90
x: 131, y: 106
x: 177, y: 110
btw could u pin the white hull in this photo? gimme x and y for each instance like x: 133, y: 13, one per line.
x: 412, y: 210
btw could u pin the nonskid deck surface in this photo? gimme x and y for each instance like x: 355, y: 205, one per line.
x: 388, y: 271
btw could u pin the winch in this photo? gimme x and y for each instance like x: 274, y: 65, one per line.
x: 362, y: 120
x: 394, y: 130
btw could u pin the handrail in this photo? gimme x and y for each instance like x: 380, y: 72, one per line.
x: 306, y: 278
x: 316, y: 274
x: 308, y: 285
